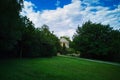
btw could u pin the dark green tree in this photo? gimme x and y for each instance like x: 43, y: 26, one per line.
x: 37, y: 42
x: 27, y: 44
x: 19, y: 37
x: 93, y: 40
x: 10, y: 25
x: 114, y: 44
x: 50, y: 41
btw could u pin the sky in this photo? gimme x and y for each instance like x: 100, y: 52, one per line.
x: 64, y: 16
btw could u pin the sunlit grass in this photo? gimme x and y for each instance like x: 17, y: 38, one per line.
x: 57, y: 68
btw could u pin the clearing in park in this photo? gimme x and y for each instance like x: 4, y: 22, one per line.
x: 57, y: 68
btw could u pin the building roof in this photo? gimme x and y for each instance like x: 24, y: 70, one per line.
x: 64, y: 40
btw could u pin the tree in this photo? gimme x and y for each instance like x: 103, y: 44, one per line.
x: 37, y: 42
x: 50, y: 41
x: 27, y: 43
x: 93, y: 40
x: 114, y: 44
x: 10, y: 21
x: 19, y: 37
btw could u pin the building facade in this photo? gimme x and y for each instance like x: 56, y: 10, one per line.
x: 63, y: 42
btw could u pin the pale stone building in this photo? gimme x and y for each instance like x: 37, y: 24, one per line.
x: 64, y: 41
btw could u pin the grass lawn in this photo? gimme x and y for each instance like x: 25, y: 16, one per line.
x: 57, y: 68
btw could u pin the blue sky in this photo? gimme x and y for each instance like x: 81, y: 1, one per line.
x: 49, y: 4
x: 53, y: 4
x: 63, y: 16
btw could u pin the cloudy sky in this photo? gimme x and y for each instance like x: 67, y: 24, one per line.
x: 63, y: 16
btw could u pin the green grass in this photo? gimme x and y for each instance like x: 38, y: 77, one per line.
x: 57, y: 68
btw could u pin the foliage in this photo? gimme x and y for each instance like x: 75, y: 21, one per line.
x: 38, y: 42
x: 49, y: 41
x: 114, y: 45
x: 70, y: 50
x: 19, y: 37
x: 97, y: 41
x: 10, y: 25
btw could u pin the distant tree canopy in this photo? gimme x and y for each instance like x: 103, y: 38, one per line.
x: 97, y: 41
x: 19, y: 37
x: 38, y: 42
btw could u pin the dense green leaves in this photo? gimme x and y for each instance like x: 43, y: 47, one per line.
x: 97, y: 41
x: 10, y: 28
x: 37, y: 42
x: 19, y: 37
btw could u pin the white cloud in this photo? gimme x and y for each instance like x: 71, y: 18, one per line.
x: 64, y: 21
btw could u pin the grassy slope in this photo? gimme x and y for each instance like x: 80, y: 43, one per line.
x: 57, y: 68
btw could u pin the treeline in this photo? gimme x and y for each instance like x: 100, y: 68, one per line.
x: 19, y: 37
x: 97, y: 41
